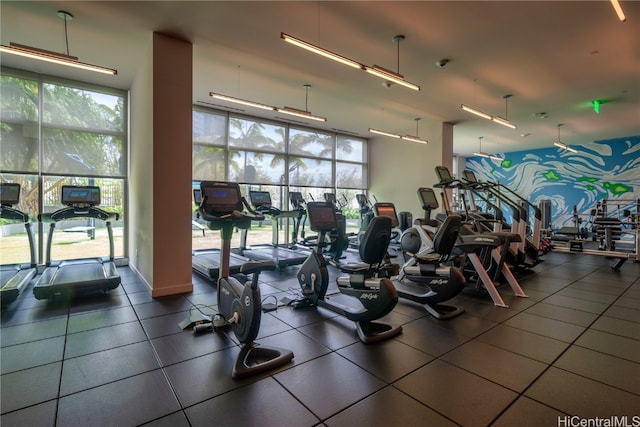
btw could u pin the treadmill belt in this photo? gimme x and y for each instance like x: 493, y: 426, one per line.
x: 207, y: 263
x: 77, y: 277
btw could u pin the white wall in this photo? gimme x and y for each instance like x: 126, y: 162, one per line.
x: 398, y: 168
x: 140, y: 228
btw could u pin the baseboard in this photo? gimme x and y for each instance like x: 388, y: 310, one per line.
x: 172, y: 290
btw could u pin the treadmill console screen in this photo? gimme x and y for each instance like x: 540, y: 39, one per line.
x: 428, y: 198
x: 260, y: 199
x: 362, y: 200
x: 73, y: 195
x: 295, y: 197
x: 322, y: 216
x: 330, y: 197
x: 9, y: 194
x: 221, y: 197
x: 469, y: 175
x: 387, y: 209
x: 443, y: 174
x: 197, y: 196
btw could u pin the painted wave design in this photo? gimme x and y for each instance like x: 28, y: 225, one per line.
x: 600, y: 170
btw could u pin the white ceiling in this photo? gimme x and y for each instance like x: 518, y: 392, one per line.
x: 553, y: 57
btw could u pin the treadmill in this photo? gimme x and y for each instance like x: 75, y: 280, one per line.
x: 15, y: 277
x: 206, y: 262
x: 284, y: 255
x: 70, y: 278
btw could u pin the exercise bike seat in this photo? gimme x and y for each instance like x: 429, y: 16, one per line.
x: 373, y: 246
x: 443, y: 243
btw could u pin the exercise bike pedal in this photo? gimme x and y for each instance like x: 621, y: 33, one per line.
x: 218, y: 321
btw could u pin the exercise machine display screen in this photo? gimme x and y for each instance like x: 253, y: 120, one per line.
x: 330, y: 197
x: 76, y: 195
x: 387, y: 209
x: 443, y: 174
x: 362, y: 200
x: 260, y: 199
x: 322, y: 216
x: 428, y: 198
x: 197, y: 196
x: 9, y: 194
x: 469, y: 175
x: 296, y: 199
x: 221, y: 197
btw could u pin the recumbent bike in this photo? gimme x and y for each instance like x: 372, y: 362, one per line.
x: 372, y: 297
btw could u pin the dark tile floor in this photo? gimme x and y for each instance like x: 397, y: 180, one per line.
x: 571, y: 349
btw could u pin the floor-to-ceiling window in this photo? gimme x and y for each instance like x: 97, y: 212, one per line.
x: 56, y: 132
x: 267, y: 155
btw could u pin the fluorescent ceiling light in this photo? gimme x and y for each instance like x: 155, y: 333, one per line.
x: 415, y: 139
x: 383, y: 133
x: 53, y: 57
x: 618, y: 9
x: 487, y: 155
x: 476, y: 112
x: 481, y: 153
x: 320, y: 51
x: 564, y: 146
x: 503, y: 122
x: 391, y: 76
x: 241, y: 101
x: 375, y: 70
x: 497, y: 119
x: 300, y: 113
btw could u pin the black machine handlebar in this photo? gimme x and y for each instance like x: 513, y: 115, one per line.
x: 222, y: 202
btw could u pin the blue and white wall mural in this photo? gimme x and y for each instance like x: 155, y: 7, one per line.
x: 599, y: 170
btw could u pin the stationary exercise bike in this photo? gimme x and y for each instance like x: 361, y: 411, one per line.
x: 372, y: 297
x: 239, y: 305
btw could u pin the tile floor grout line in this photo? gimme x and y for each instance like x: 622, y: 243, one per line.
x: 550, y: 365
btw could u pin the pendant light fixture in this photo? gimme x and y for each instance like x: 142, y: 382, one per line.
x: 412, y: 138
x: 561, y: 144
x: 481, y: 153
x: 618, y: 9
x: 375, y: 70
x: 302, y: 113
x: 54, y: 57
x: 241, y: 101
x: 383, y: 133
x: 389, y: 75
x: 504, y: 121
x: 415, y: 138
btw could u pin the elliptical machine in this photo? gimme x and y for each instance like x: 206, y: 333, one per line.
x: 240, y: 305
x: 373, y: 297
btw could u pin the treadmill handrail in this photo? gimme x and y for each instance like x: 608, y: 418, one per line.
x: 74, y: 212
x: 236, y: 214
x: 10, y: 213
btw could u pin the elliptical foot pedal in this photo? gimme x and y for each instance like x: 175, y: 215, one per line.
x: 373, y: 332
x: 254, y: 359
